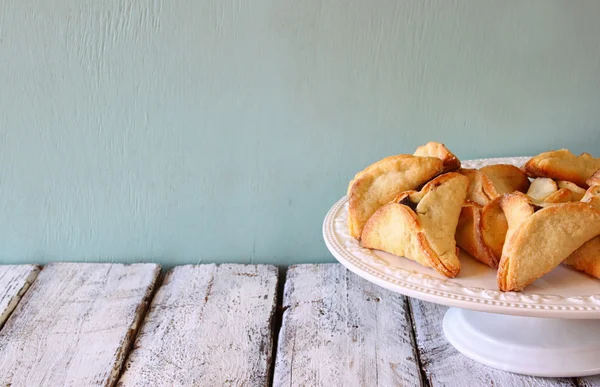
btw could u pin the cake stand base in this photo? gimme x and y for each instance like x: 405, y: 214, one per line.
x: 526, y: 345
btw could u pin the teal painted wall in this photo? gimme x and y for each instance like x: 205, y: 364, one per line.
x: 222, y: 130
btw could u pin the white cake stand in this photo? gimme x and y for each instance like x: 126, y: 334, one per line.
x: 550, y: 329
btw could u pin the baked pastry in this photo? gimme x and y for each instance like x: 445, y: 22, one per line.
x: 489, y: 182
x: 481, y: 190
x: 494, y: 227
x: 522, y: 228
x: 576, y: 191
x: 439, y: 150
x: 592, y: 196
x: 380, y: 182
x: 594, y: 179
x: 563, y: 165
x: 421, y: 225
x: 494, y: 230
x: 586, y: 258
x: 469, y: 235
x: 541, y: 188
x: 544, y: 189
x: 481, y: 229
x: 505, y: 178
x: 517, y: 209
x: 487, y: 227
x: 538, y: 241
x: 563, y: 195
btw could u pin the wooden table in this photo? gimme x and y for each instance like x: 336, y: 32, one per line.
x: 76, y: 324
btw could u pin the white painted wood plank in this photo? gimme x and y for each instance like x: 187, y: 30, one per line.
x: 208, y: 325
x: 590, y: 381
x: 340, y: 330
x: 75, y: 324
x: 445, y: 366
x: 14, y: 282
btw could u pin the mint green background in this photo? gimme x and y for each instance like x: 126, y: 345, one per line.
x: 223, y: 131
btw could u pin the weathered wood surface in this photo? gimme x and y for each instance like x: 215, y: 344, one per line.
x: 340, y: 330
x: 74, y: 325
x: 14, y: 282
x: 207, y: 325
x: 445, y: 366
x: 590, y: 381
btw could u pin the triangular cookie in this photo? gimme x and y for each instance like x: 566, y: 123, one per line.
x: 487, y: 183
x: 482, y: 225
x: 380, y: 182
x: 481, y: 187
x: 482, y: 231
x: 577, y: 192
x: 439, y: 150
x: 505, y: 178
x: 592, y: 196
x: 421, y: 225
x: 586, y: 258
x: 537, y: 242
x: 563, y: 165
x: 469, y: 235
x: 594, y: 179
x: 494, y: 227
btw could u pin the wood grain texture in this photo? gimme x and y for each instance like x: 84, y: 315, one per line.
x: 208, y: 325
x: 590, y: 381
x: 75, y: 324
x: 445, y: 366
x: 340, y: 330
x: 14, y: 282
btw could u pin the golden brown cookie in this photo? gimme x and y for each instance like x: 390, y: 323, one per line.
x: 592, y: 196
x: 537, y: 242
x: 421, y: 225
x: 563, y: 165
x: 576, y: 191
x: 506, y: 178
x: 481, y: 188
x: 487, y: 183
x: 594, y: 179
x: 380, y: 182
x: 494, y: 227
x: 439, y: 150
x: 482, y: 225
x: 541, y: 188
x: 469, y: 236
x: 586, y: 258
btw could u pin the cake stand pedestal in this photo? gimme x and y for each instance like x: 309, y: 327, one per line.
x: 526, y: 345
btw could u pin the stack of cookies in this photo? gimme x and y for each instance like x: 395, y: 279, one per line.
x: 522, y: 222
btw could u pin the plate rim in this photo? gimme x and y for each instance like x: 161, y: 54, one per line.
x: 446, y: 292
